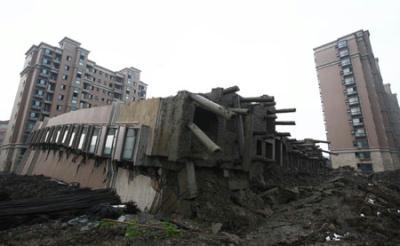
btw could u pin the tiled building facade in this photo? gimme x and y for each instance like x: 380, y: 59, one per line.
x: 56, y: 80
x: 361, y: 113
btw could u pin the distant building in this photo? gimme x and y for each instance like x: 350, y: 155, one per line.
x: 3, y: 130
x: 56, y: 80
x: 362, y: 115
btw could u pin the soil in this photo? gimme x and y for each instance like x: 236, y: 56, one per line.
x: 335, y: 207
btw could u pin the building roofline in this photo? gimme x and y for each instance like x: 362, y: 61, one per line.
x: 345, y: 36
x: 31, y: 48
x: 70, y: 40
x: 132, y: 68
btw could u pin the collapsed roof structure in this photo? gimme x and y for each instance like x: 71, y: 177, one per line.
x: 149, y: 151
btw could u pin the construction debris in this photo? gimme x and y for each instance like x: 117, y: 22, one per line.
x: 340, y: 206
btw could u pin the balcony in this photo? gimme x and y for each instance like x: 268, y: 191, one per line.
x: 360, y: 134
x: 36, y: 107
x: 348, y: 82
x: 46, y: 111
x: 41, y: 85
x: 353, y: 113
x: 38, y: 95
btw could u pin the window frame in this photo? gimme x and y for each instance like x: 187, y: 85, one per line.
x: 92, y: 131
x: 135, y: 143
x: 112, y: 143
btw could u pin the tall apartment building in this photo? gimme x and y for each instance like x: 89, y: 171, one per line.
x: 56, y: 80
x: 362, y: 116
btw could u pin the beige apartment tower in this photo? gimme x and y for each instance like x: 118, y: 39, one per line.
x: 56, y: 80
x: 362, y: 116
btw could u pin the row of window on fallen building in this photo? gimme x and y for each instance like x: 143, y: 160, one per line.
x: 119, y: 143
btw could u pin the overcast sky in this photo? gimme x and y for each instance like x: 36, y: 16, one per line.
x: 264, y: 47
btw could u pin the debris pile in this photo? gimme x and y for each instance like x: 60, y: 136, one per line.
x: 336, y: 206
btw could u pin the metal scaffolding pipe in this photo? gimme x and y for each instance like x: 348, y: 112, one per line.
x: 257, y: 99
x: 231, y: 89
x: 212, y: 106
x: 283, y: 134
x: 284, y: 110
x: 285, y: 123
x: 203, y: 138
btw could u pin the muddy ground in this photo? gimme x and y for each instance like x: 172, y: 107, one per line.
x: 335, y: 207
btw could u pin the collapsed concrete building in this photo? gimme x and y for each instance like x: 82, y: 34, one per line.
x: 149, y: 151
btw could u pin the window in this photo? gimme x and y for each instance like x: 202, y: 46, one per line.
x: 66, y: 68
x: 34, y: 115
x: 64, y: 141
x: 351, y: 90
x: 68, y: 58
x: 62, y: 87
x: 129, y: 144
x: 349, y: 80
x: 41, y: 82
x: 47, y: 138
x: 345, y: 62
x: 109, y: 144
x: 36, y: 103
x: 45, y: 71
x: 344, y: 52
x: 355, y: 110
x: 342, y: 44
x: 46, y: 61
x: 93, y: 140
x: 360, y: 132
x: 83, y: 138
x: 65, y: 77
x: 357, y: 121
x: 363, y: 155
x: 60, y: 97
x: 365, y: 167
x: 59, y: 108
x: 58, y: 135
x: 73, y: 135
x: 353, y: 100
x: 362, y: 143
x: 347, y: 71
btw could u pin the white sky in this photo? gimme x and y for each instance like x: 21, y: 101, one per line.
x: 264, y: 47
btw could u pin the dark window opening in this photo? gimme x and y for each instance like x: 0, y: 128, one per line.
x: 259, y: 147
x: 207, y: 122
x: 269, y: 150
x: 365, y: 167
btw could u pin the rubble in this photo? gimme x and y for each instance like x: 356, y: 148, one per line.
x: 293, y: 210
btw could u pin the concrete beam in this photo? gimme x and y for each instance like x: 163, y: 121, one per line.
x: 257, y: 99
x: 285, y: 123
x: 204, y: 139
x: 231, y: 89
x: 212, y: 106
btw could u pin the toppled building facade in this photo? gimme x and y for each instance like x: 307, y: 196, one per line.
x: 149, y: 151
